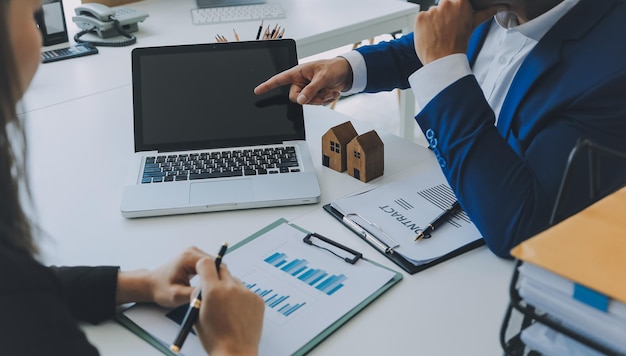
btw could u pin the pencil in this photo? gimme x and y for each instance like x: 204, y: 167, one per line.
x: 267, y: 32
x: 276, y: 33
x: 236, y: 35
x: 282, y: 32
x: 194, y: 308
x: 258, y: 34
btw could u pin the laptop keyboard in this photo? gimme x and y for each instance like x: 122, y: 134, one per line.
x: 209, y: 15
x: 206, y: 165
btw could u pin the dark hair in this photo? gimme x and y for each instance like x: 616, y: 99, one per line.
x: 15, y: 227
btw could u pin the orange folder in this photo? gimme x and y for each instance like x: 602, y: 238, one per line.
x: 588, y: 248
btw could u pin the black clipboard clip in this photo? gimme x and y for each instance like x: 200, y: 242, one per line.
x: 308, y: 239
x: 378, y: 239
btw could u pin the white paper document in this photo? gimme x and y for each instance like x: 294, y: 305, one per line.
x: 552, y: 294
x: 548, y: 342
x: 306, y: 290
x: 397, y: 211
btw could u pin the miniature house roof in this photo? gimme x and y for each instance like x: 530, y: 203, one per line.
x: 344, y: 132
x: 369, y: 141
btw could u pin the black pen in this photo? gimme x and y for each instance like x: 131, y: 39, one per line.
x: 194, y: 308
x: 445, y: 215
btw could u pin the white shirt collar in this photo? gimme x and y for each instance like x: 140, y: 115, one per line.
x: 539, y: 26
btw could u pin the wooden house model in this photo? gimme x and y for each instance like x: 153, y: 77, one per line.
x: 366, y: 157
x: 334, y: 144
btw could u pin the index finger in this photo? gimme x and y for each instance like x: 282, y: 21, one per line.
x: 278, y: 80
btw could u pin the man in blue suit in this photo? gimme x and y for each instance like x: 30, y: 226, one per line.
x: 503, y: 100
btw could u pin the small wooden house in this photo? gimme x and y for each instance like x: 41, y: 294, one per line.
x: 334, y: 143
x: 366, y: 157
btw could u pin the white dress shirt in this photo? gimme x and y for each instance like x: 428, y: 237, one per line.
x: 505, y: 48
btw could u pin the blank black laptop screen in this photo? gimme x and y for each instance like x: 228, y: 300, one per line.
x: 201, y: 96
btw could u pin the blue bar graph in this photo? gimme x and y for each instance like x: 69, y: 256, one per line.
x: 318, y: 278
x: 277, y: 257
x: 275, y: 301
x: 298, y: 268
x: 293, y: 309
x: 331, y: 284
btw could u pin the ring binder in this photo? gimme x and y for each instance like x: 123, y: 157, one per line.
x: 514, y: 346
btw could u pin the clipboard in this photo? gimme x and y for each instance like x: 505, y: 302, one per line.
x: 391, y: 217
x: 317, y: 245
x: 386, y: 249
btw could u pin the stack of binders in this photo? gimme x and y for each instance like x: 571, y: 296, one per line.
x: 570, y: 284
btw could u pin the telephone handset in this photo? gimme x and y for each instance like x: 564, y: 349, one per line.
x: 107, y: 22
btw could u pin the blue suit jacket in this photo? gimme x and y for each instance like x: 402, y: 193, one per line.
x: 571, y: 86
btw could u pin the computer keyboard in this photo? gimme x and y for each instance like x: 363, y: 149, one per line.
x: 204, y: 165
x: 266, y: 11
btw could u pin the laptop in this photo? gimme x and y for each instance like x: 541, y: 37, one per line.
x: 220, y: 3
x: 205, y: 142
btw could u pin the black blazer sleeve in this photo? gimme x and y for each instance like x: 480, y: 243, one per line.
x: 36, y: 318
x: 89, y: 291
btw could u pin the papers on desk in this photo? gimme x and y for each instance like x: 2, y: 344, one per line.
x: 540, y: 337
x: 308, y: 293
x: 554, y: 294
x: 389, y: 218
x: 574, y: 272
x: 594, y: 236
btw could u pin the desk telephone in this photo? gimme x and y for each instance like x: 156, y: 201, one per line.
x: 107, y: 22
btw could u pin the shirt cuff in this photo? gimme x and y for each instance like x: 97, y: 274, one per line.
x: 359, y: 72
x: 434, y: 77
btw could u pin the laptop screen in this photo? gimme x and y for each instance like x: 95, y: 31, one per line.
x: 201, y: 96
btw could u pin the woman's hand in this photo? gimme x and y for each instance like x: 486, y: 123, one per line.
x: 167, y: 285
x: 231, y: 316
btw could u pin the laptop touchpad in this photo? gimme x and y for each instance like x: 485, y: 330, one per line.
x: 221, y: 192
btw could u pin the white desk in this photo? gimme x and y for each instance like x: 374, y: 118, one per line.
x: 453, y: 308
x: 79, y: 123
x: 316, y: 25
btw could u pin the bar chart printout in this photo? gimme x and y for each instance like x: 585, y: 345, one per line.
x: 306, y: 292
x: 298, y: 268
x: 281, y: 303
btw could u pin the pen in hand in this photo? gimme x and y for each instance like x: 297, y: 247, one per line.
x: 438, y: 221
x: 194, y: 308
